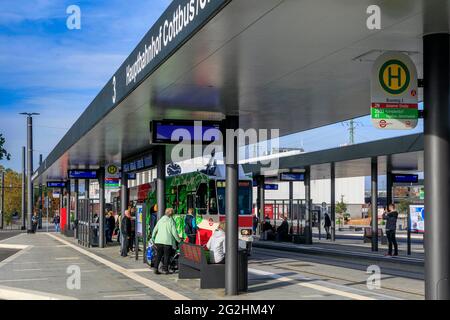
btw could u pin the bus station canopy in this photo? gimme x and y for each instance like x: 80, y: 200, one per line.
x: 405, y: 152
x: 293, y: 65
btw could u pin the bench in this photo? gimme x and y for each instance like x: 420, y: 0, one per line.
x: 368, y: 235
x: 193, y: 264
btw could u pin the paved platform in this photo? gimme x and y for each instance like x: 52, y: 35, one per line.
x: 43, y: 265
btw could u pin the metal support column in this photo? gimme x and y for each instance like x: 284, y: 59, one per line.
x: 101, y: 214
x: 67, y: 203
x: 41, y: 199
x: 291, y: 201
x: 61, y: 204
x: 161, y: 180
x: 123, y: 193
x: 23, y: 189
x: 308, y: 224
x: 231, y: 208
x: 437, y: 164
x: 261, y: 200
x: 374, y: 202
x: 29, y: 170
x: 76, y: 199
x: 389, y: 183
x: 333, y: 201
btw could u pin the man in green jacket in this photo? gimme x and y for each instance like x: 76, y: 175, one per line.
x: 165, y: 237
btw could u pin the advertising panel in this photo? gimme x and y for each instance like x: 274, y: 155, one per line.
x: 417, y: 218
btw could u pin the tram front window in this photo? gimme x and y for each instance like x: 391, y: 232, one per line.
x: 244, y: 198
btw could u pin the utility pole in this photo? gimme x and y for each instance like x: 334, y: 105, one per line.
x: 352, y: 124
x: 29, y: 166
x: 23, y: 190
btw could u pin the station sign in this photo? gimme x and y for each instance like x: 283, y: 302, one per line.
x: 405, y: 178
x: 112, y: 171
x: 394, y: 94
x: 292, y: 176
x: 187, y: 131
x: 270, y: 186
x: 83, y: 174
x: 56, y: 184
x: 112, y: 183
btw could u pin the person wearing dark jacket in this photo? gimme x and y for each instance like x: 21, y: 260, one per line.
x: 283, y: 230
x: 391, y: 227
x: 125, y: 233
x: 327, y: 225
x: 190, y: 226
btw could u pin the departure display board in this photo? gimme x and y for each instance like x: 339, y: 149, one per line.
x: 56, y: 184
x: 82, y: 174
x: 188, y: 131
x: 405, y: 178
x: 140, y: 163
x: 292, y: 176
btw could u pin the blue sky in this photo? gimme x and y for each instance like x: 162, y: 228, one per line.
x: 47, y: 68
x: 57, y: 72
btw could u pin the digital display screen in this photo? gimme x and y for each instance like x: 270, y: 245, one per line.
x: 148, y: 161
x: 290, y: 176
x: 405, y: 178
x: 175, y: 131
x: 139, y: 164
x: 83, y: 174
x: 270, y: 187
x: 56, y: 184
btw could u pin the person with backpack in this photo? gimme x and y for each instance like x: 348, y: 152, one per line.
x: 190, y: 226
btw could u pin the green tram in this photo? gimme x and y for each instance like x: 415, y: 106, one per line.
x: 205, y: 193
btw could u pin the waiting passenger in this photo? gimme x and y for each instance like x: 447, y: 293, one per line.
x: 125, y: 233
x: 190, y: 226
x: 327, y: 225
x: 216, y: 245
x: 267, y: 230
x: 165, y: 237
x: 283, y: 231
x: 391, y: 227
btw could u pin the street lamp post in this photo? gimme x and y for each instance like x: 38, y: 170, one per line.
x: 29, y: 165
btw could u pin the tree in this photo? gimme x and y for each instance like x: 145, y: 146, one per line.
x: 3, y: 153
x: 13, y: 193
x: 341, y: 209
x: 403, y: 206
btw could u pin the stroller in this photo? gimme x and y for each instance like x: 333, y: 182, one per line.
x: 173, y: 260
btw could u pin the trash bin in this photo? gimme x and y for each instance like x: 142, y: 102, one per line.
x: 93, y: 236
x: 242, y: 271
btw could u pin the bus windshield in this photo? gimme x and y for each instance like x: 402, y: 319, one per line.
x: 244, y: 200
